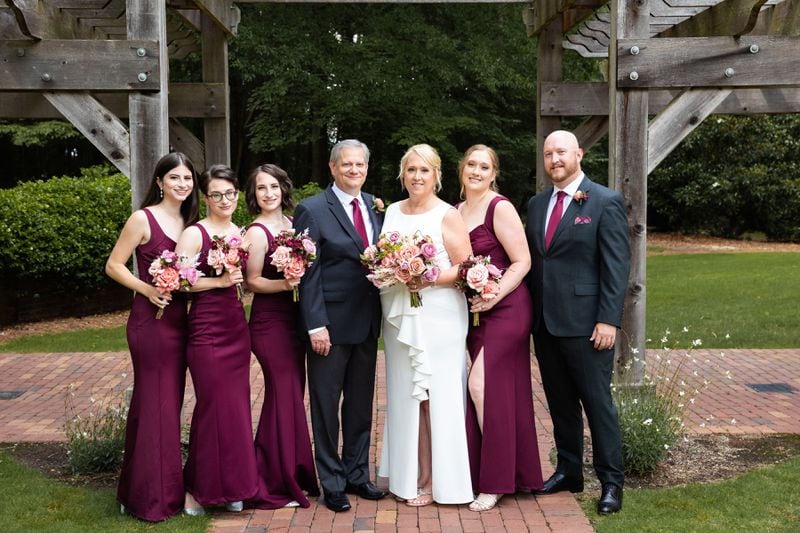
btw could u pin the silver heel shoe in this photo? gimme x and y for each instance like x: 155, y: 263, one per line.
x: 122, y: 510
x: 194, y: 511
x: 234, y: 507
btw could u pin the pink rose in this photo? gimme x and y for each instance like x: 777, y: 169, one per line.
x: 309, y: 246
x: 477, y: 276
x: 416, y: 266
x: 281, y: 256
x: 295, y: 269
x: 494, y: 272
x: 402, y: 273
x: 369, y: 253
x: 388, y: 261
x: 234, y: 241
x: 169, y: 256
x: 168, y: 281
x: 490, y: 290
x: 216, y: 260
x: 428, y: 250
x: 394, y: 236
x: 155, y: 267
x: 190, y: 274
x: 232, y: 258
x: 431, y: 275
x: 408, y: 252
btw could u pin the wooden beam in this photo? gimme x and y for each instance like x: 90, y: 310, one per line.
x: 709, y: 62
x: 216, y: 131
x: 591, y: 130
x: 42, y: 20
x: 148, y: 112
x: 678, y: 120
x: 627, y: 172
x: 183, y: 140
x: 223, y: 12
x: 82, y: 65
x: 97, y: 123
x: 540, y: 14
x: 572, y: 99
x: 549, y: 68
x: 186, y: 100
x: 726, y: 18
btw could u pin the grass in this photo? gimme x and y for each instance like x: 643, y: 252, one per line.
x: 87, y: 340
x: 32, y: 502
x: 765, y: 499
x: 752, y: 297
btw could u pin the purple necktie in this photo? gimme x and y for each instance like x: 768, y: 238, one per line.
x: 555, y: 218
x: 358, y: 222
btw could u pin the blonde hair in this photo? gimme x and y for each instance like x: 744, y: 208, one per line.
x: 431, y: 157
x: 462, y: 163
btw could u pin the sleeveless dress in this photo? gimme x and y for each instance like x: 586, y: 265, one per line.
x: 425, y: 351
x: 221, y: 466
x: 151, y: 481
x: 283, y: 447
x: 505, y: 458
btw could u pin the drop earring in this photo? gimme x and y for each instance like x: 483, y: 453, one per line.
x: 160, y: 192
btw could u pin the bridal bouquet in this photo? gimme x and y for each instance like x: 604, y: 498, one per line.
x: 294, y: 254
x: 404, y: 259
x: 478, y: 278
x: 173, y: 272
x: 228, y: 253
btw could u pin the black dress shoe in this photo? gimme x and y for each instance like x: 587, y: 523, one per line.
x: 559, y: 482
x: 610, y: 499
x: 366, y: 490
x: 337, y: 501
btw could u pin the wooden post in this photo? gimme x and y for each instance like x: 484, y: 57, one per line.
x: 627, y: 173
x: 215, y: 70
x: 148, y: 113
x: 549, y: 69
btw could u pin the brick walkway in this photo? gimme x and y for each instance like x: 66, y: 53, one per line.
x: 726, y: 405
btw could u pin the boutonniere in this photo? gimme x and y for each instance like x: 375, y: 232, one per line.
x: 378, y: 206
x: 580, y: 197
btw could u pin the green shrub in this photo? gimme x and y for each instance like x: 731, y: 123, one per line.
x: 62, y: 228
x: 96, y: 440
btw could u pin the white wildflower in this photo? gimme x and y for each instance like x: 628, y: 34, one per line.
x: 647, y: 422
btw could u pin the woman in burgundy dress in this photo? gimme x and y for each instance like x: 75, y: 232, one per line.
x: 221, y: 467
x: 151, y: 482
x: 283, y: 447
x: 501, y: 432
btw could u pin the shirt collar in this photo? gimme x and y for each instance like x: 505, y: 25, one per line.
x: 343, y: 197
x: 572, y: 188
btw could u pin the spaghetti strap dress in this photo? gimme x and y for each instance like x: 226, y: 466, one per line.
x: 505, y: 457
x: 151, y: 481
x: 221, y: 466
x: 283, y: 447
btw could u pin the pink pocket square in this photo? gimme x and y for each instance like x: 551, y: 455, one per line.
x: 583, y: 220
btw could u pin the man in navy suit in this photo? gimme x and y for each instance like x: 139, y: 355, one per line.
x: 340, y: 312
x: 578, y: 236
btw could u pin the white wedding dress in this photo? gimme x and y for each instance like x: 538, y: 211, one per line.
x: 425, y: 359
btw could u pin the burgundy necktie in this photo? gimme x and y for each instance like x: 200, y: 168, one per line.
x: 555, y: 218
x: 358, y: 222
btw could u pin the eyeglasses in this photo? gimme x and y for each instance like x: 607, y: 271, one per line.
x: 229, y: 195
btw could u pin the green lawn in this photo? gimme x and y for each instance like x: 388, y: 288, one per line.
x: 753, y: 297
x: 763, y: 500
x: 87, y: 340
x: 31, y: 502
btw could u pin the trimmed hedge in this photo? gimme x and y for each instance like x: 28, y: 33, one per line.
x: 63, y: 228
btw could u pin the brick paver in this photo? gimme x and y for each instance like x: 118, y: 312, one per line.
x: 726, y: 404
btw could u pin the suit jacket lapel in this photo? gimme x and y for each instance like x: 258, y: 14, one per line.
x: 538, y: 213
x: 569, y: 216
x: 337, y: 209
x: 373, y: 216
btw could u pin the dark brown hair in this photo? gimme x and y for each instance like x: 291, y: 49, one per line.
x: 287, y: 201
x: 190, y: 207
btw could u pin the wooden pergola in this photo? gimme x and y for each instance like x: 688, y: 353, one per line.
x: 670, y: 64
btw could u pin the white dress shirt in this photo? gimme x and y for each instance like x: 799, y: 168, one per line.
x: 570, y: 189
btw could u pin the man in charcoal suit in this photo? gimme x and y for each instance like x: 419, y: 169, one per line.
x: 341, y: 314
x: 578, y: 236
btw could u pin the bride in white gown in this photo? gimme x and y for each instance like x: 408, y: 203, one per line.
x: 424, y: 452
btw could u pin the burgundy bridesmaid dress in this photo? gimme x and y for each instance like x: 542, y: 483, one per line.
x: 505, y: 458
x: 151, y: 481
x: 221, y: 466
x: 283, y: 447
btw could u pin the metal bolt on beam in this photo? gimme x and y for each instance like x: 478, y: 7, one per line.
x: 141, y: 52
x: 634, y: 50
x: 46, y: 77
x: 20, y: 52
x: 634, y: 76
x: 729, y: 72
x: 142, y: 77
x: 754, y: 49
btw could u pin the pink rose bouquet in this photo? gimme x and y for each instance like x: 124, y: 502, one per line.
x: 479, y: 278
x: 294, y: 254
x: 173, y: 272
x: 404, y: 259
x: 228, y: 253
